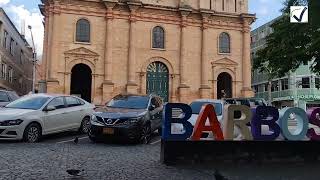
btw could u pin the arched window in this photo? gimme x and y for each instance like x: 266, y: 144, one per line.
x: 158, y: 37
x: 224, y: 43
x: 83, y: 31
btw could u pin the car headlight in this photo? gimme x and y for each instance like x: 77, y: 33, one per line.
x: 11, y: 122
x: 94, y: 121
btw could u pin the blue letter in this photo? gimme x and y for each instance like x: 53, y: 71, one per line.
x: 168, y: 120
x: 302, y: 123
x: 265, y: 115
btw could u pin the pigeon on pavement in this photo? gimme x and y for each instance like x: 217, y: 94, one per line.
x: 74, y: 172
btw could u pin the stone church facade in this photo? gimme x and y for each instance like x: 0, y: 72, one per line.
x: 179, y: 49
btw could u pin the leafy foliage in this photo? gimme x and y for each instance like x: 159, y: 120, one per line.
x: 291, y: 44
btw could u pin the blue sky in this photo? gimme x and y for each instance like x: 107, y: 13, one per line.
x: 265, y: 10
x: 27, y: 10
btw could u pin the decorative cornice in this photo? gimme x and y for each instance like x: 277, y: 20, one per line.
x: 246, y: 30
x: 205, y: 20
x: 225, y: 61
x: 248, y: 19
x: 206, y: 11
x: 110, y: 4
x: 134, y: 5
x: 185, y: 12
x: 82, y: 52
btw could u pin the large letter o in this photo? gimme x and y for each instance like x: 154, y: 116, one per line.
x: 302, y: 123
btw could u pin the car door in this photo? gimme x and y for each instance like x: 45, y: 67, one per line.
x: 55, y: 121
x: 156, y: 114
x: 75, y: 111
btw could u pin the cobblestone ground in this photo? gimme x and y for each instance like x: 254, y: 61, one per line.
x: 107, y: 161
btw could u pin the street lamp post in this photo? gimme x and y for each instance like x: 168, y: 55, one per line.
x: 34, y: 61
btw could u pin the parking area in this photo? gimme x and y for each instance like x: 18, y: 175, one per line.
x: 70, y: 136
x: 51, y: 158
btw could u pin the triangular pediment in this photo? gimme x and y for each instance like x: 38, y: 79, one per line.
x: 225, y: 61
x: 81, y: 51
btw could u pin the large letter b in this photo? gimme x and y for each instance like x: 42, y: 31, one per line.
x: 168, y: 120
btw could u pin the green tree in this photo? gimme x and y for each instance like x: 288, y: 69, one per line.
x: 291, y: 44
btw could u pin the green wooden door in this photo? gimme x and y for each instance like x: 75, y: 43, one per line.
x: 158, y: 80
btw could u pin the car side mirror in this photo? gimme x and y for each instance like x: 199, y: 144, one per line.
x: 50, y: 108
x: 151, y: 107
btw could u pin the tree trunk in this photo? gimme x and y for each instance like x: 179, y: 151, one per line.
x: 269, y: 93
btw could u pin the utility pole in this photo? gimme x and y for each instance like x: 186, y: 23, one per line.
x: 34, y: 61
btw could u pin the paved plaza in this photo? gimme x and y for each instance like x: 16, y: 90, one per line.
x: 52, y: 157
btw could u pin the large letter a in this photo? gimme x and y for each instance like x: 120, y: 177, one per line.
x: 207, y: 111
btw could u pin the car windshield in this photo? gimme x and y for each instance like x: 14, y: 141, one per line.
x: 257, y: 102
x: 28, y: 102
x: 196, y: 107
x: 4, y: 97
x: 129, y: 102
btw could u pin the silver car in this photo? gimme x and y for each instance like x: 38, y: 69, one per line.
x: 32, y: 116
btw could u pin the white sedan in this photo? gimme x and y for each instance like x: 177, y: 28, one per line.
x: 32, y: 116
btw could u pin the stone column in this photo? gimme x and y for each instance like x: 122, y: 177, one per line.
x: 132, y: 86
x: 246, y: 63
x: 44, y: 67
x: 204, y: 89
x: 108, y: 44
x: 53, y: 85
x: 183, y: 87
x: 108, y: 85
x: 183, y: 52
x: 49, y: 47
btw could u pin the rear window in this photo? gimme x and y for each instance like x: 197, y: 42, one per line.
x: 4, y: 97
x: 258, y: 102
x: 71, y: 102
x: 196, y: 107
x: 243, y: 102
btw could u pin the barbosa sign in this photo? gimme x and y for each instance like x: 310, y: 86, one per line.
x: 250, y: 123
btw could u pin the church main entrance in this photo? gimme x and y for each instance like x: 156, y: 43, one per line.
x: 224, y: 86
x: 158, y: 80
x: 81, y: 81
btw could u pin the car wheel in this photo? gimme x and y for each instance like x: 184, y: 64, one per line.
x: 32, y: 133
x: 85, y: 124
x: 93, y: 139
x: 145, y: 134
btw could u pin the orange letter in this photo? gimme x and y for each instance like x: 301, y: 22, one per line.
x: 207, y: 111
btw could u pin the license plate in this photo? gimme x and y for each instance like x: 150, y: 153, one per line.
x: 108, y: 131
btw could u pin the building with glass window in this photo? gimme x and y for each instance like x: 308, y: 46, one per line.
x: 298, y: 89
x: 178, y: 49
x: 15, y: 58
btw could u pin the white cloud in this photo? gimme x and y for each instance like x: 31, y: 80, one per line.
x: 4, y: 2
x: 18, y: 14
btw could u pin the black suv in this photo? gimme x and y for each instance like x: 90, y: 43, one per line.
x: 6, y: 97
x: 250, y: 102
x: 129, y: 117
